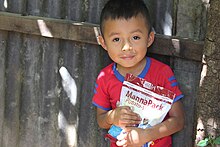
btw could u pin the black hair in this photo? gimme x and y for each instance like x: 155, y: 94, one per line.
x: 124, y: 9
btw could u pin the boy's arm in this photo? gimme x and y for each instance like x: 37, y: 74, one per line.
x: 173, y: 124
x: 137, y: 136
x: 103, y: 118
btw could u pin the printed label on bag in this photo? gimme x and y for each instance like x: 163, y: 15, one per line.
x: 151, y: 102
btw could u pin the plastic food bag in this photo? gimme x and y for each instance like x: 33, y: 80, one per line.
x: 151, y: 102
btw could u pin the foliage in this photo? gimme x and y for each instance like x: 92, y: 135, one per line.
x: 209, y: 141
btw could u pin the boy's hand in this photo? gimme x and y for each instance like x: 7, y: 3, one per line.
x: 132, y: 137
x: 123, y: 116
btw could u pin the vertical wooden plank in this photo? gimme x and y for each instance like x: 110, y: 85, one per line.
x: 41, y: 125
x: 161, y: 13
x: 71, y: 59
x: 104, y: 61
x: 94, y: 59
x: 49, y: 94
x: 3, y: 42
x: 163, y: 17
x: 29, y: 112
x: 3, y: 5
x: 52, y: 8
x: 188, y: 76
x: 30, y: 115
x: 87, y: 114
x: 72, y: 10
x: 94, y: 8
x: 16, y: 6
x: 151, y: 5
x: 34, y: 7
x: 13, y: 90
x: 92, y: 63
x: 49, y: 102
x: 13, y: 81
x: 190, y: 19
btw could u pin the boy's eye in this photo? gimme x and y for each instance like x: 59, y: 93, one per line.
x: 116, y: 39
x: 136, y: 38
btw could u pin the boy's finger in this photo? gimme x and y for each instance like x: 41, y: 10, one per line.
x: 132, y: 117
x: 130, y: 112
x: 121, y: 142
x: 126, y: 108
x: 122, y: 135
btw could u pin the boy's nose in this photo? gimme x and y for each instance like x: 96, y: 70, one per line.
x: 126, y: 47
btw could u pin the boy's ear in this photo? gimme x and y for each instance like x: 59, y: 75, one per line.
x: 150, y: 39
x: 102, y: 42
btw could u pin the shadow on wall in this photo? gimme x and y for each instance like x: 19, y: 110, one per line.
x: 69, y: 86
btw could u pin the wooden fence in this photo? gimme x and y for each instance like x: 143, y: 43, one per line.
x: 37, y: 38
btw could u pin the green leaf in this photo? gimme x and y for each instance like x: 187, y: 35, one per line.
x: 217, y: 140
x: 204, y: 142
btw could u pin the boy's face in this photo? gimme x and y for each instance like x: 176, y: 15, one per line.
x: 126, y: 41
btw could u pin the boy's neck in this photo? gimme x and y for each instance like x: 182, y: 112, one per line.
x: 136, y: 70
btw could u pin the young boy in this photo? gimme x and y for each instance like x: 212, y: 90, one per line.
x: 126, y: 36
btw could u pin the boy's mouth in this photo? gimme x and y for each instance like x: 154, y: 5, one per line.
x: 127, y: 57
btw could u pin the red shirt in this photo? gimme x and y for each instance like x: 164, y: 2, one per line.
x: 109, y: 83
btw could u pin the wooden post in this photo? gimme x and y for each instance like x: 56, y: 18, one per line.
x: 3, y: 42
